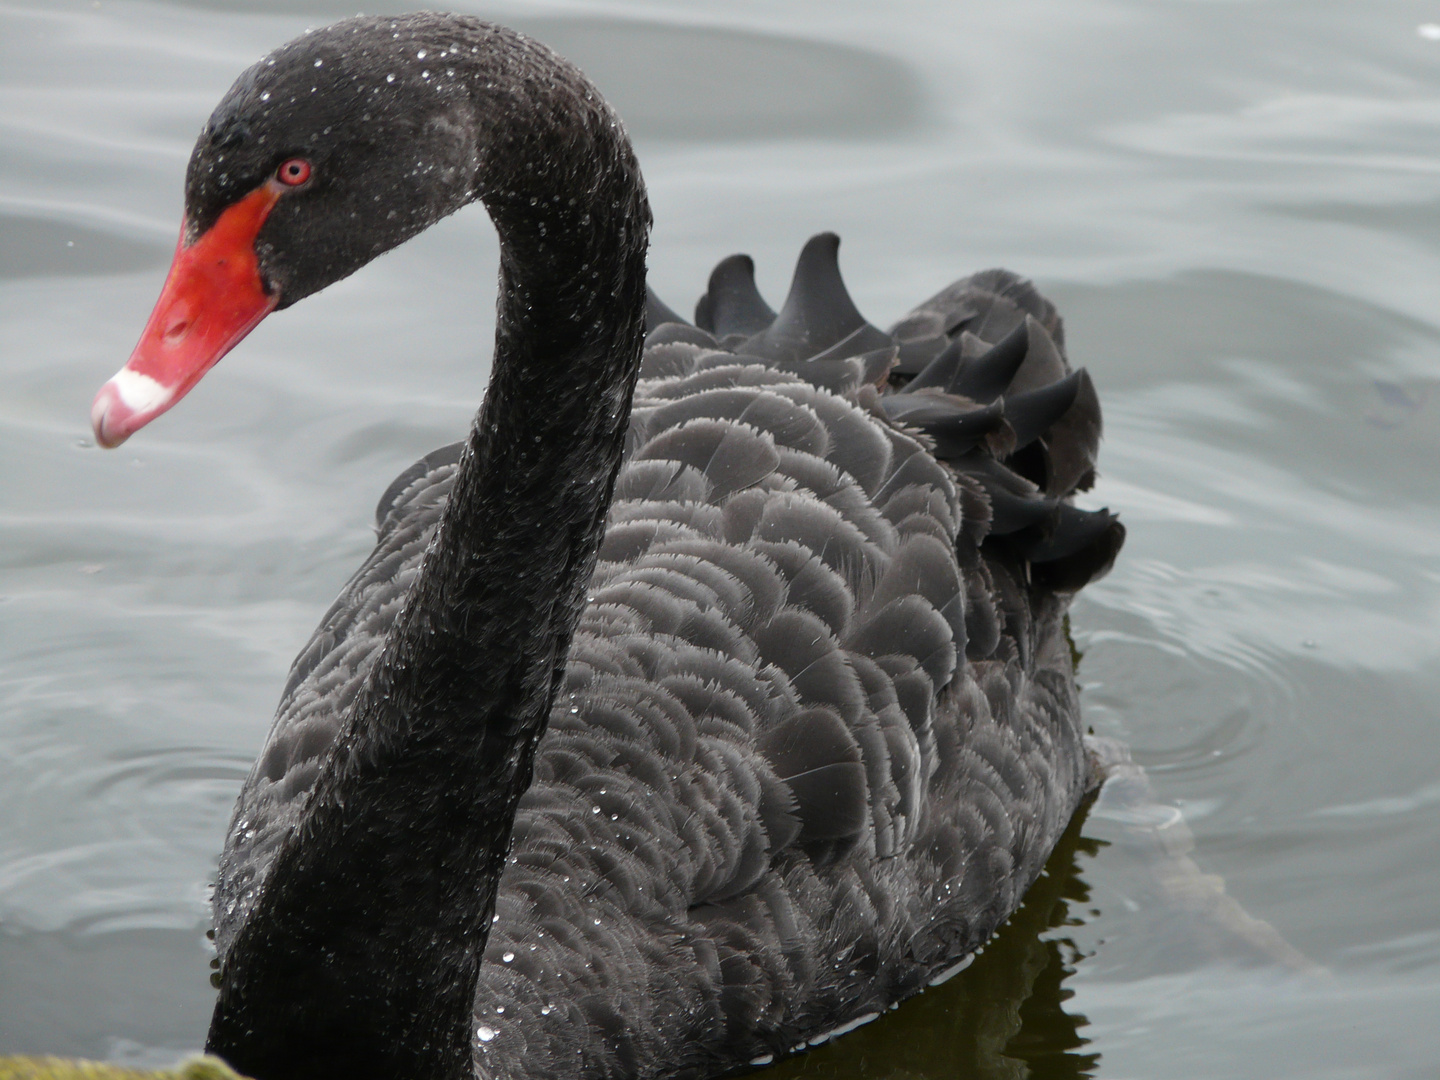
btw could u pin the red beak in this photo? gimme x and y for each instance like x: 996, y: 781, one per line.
x: 213, y: 297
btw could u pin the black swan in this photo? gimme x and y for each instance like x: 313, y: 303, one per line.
x: 672, y: 726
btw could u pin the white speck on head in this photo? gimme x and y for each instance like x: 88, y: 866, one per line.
x: 139, y: 392
x: 319, y: 63
x: 953, y: 970
x: 420, y: 55
x: 1429, y: 31
x: 509, y: 957
x: 389, y: 78
x: 485, y: 1034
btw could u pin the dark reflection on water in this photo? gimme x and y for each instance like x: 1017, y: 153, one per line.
x: 1003, y: 1018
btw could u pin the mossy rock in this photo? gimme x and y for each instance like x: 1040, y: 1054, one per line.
x: 50, y: 1068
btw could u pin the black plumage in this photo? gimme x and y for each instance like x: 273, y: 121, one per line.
x: 732, y: 304
x: 711, y: 697
x: 753, y: 708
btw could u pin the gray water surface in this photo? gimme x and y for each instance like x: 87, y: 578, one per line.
x: 1236, y: 206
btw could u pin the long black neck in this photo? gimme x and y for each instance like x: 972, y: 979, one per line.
x: 361, y: 955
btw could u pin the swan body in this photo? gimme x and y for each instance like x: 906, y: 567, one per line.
x: 660, y: 734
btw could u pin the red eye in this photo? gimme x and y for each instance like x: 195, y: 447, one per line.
x: 293, y: 172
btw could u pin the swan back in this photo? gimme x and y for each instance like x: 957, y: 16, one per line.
x: 818, y: 729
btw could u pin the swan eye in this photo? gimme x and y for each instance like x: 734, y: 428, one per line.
x: 294, y: 172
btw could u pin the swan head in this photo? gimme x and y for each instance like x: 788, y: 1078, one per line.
x: 330, y: 151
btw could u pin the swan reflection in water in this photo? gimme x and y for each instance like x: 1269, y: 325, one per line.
x: 1004, y: 1017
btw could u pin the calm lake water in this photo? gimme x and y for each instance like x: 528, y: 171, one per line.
x: 1236, y: 206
